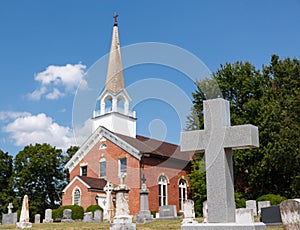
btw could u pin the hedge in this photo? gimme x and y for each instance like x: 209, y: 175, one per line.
x: 77, y: 212
x: 93, y: 208
x: 274, y: 199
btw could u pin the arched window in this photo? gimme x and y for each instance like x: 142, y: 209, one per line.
x: 162, y: 191
x: 76, y: 196
x: 120, y: 102
x: 182, y: 192
x: 108, y: 104
x: 102, y: 167
x: 102, y: 146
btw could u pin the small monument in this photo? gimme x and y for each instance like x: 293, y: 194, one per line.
x: 10, y: 217
x: 108, y: 211
x: 88, y: 217
x: 205, y: 212
x: 48, y: 216
x: 262, y: 204
x: 145, y: 215
x: 122, y: 219
x: 217, y: 140
x: 244, y: 215
x: 67, y: 216
x: 189, y: 213
x: 252, y: 205
x: 98, y: 217
x: 24, y: 217
x: 290, y: 214
x: 37, y: 218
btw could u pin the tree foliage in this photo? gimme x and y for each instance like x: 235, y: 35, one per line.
x: 270, y: 99
x: 39, y: 174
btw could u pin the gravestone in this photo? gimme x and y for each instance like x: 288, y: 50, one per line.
x: 24, y: 217
x: 108, y: 211
x: 189, y: 213
x: 122, y: 219
x: 271, y: 215
x: 144, y: 215
x: 168, y: 212
x: 205, y: 212
x: 263, y: 204
x: 244, y: 216
x: 217, y: 140
x: 37, y: 219
x: 98, y: 216
x: 252, y: 205
x: 67, y: 216
x: 290, y: 214
x: 88, y: 217
x: 48, y: 216
x: 10, y: 217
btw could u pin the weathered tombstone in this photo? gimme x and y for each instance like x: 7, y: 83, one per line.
x: 263, y: 204
x: 37, y: 219
x: 205, y: 212
x: 290, y: 214
x: 271, y: 215
x: 67, y: 215
x: 217, y: 140
x: 167, y: 212
x: 48, y: 216
x: 24, y: 217
x: 244, y: 216
x: 122, y: 219
x: 144, y: 215
x: 252, y: 205
x: 108, y: 211
x: 98, y: 216
x: 10, y: 217
x: 189, y: 213
x: 88, y: 217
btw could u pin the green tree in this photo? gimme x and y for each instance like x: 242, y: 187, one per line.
x: 6, y: 191
x: 38, y: 173
x: 69, y: 154
x: 270, y: 100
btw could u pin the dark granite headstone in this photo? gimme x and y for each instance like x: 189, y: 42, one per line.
x: 271, y: 215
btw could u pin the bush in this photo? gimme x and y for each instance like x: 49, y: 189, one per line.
x: 93, y: 208
x: 77, y: 212
x: 274, y: 199
x: 153, y: 213
x: 240, y: 201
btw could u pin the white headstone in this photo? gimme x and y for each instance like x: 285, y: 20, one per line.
x: 252, y: 205
x: 37, y: 219
x: 263, y: 204
x: 88, y: 217
x: 108, y: 211
x: 244, y: 216
x: 217, y: 140
x: 205, y: 212
x: 98, y: 216
x: 48, y: 216
x: 189, y: 213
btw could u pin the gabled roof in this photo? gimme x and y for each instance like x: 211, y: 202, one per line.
x: 88, y: 182
x: 134, y: 146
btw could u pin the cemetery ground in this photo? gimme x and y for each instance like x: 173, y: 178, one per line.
x: 159, y: 224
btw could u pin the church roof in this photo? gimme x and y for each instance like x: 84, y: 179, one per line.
x: 88, y: 182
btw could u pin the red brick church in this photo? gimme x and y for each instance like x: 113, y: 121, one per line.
x: 114, y: 149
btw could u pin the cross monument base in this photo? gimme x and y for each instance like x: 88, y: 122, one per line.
x: 224, y: 226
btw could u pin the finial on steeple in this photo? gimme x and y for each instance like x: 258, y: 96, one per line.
x: 115, y: 19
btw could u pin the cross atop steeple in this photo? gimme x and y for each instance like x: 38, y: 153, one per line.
x: 115, y: 19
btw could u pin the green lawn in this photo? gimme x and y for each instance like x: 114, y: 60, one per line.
x: 161, y: 225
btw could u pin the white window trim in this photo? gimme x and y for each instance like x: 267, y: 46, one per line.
x: 73, y: 193
x: 160, y: 186
x: 181, y: 187
x: 119, y: 167
x: 102, y: 160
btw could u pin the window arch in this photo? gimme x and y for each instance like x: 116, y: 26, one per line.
x: 102, y: 167
x: 76, y: 196
x: 162, y: 190
x: 108, y: 103
x: 102, y: 146
x: 182, y: 192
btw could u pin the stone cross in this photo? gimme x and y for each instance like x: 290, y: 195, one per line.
x: 10, y: 207
x: 115, y: 18
x: 217, y: 140
x: 122, y: 178
x: 143, y: 179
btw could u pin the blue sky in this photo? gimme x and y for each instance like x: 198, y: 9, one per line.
x: 41, y: 40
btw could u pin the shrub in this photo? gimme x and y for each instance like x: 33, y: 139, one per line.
x: 93, y: 208
x: 77, y: 212
x: 240, y: 201
x: 153, y: 213
x: 274, y: 199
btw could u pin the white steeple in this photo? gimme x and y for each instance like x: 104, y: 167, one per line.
x: 114, y: 113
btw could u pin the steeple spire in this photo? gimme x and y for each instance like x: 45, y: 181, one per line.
x: 115, y: 76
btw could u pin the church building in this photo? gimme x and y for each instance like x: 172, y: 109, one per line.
x: 114, y: 150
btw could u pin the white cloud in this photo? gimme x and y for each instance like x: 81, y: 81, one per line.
x: 11, y: 115
x: 57, y: 81
x: 83, y: 132
x: 30, y: 129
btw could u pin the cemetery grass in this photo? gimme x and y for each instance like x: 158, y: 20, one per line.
x: 160, y: 224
